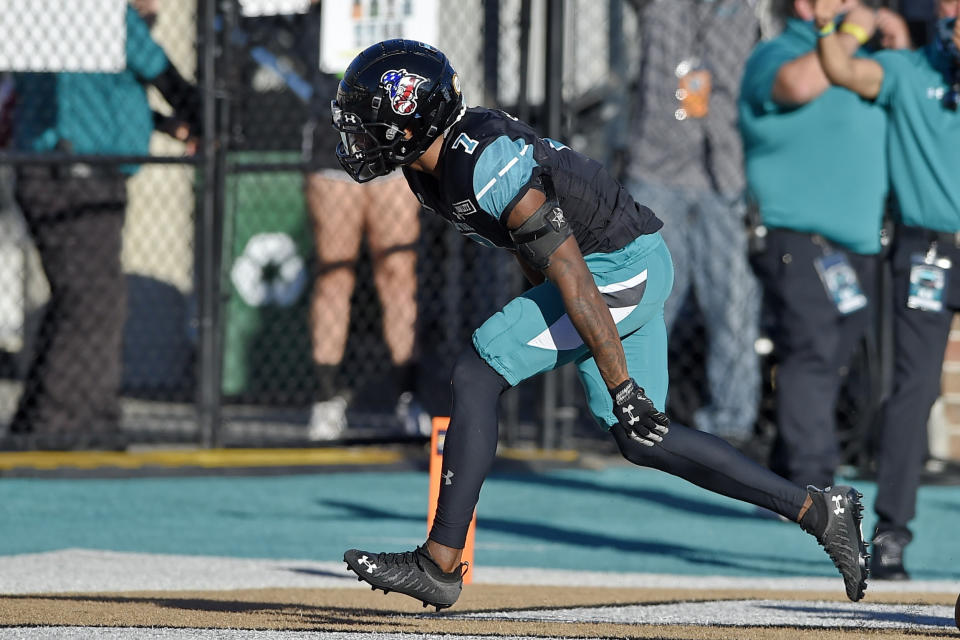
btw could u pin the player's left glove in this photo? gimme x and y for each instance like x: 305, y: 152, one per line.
x: 637, y: 415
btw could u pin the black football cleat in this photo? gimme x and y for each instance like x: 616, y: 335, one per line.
x: 886, y: 562
x: 412, y: 573
x: 842, y: 537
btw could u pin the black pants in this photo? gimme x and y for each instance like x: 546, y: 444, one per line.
x: 72, y: 385
x: 814, y: 343
x: 920, y: 339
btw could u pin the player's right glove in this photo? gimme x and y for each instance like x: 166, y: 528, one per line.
x: 637, y: 415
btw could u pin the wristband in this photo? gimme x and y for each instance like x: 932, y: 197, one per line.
x: 826, y: 29
x: 623, y: 390
x: 856, y: 31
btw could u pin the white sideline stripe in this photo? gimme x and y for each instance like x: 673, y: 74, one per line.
x: 565, y: 577
x: 89, y: 570
x: 737, y: 613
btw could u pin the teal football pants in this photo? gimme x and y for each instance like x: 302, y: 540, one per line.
x: 533, y: 334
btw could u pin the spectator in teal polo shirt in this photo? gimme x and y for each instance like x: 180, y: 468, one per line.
x: 816, y: 171
x: 75, y: 213
x: 920, y: 91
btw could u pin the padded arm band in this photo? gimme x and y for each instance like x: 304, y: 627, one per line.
x: 542, y: 233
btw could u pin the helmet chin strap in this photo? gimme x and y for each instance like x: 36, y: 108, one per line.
x: 463, y: 110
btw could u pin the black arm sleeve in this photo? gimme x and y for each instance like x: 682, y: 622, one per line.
x: 181, y: 95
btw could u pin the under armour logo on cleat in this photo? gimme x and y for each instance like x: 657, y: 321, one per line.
x: 448, y: 477
x: 629, y: 411
x: 839, y: 509
x: 365, y: 561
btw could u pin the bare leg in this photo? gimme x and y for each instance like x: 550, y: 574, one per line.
x: 336, y: 208
x: 392, y: 224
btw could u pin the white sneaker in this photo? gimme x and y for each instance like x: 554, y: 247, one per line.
x: 415, y: 421
x: 328, y: 419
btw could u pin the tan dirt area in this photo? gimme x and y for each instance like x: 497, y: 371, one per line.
x: 359, y: 611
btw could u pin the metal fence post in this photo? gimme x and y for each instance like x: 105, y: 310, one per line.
x: 523, y: 100
x: 209, y: 232
x: 553, y: 94
x: 491, y: 49
x: 554, y: 382
x: 617, y: 83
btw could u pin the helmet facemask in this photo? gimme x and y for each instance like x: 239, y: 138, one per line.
x: 368, y: 150
x: 395, y: 100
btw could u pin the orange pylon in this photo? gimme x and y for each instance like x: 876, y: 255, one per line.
x: 440, y: 425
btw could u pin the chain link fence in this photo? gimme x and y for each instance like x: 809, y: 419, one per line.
x: 264, y: 300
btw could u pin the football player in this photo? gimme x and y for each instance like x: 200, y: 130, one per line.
x: 601, y: 273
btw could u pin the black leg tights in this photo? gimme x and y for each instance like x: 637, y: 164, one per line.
x: 710, y: 462
x: 469, y: 447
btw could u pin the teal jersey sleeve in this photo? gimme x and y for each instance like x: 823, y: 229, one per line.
x: 759, y: 75
x: 145, y: 58
x: 895, y: 64
x: 501, y: 173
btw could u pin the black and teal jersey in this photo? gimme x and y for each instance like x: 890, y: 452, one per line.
x: 488, y: 162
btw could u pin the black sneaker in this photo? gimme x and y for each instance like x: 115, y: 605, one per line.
x: 842, y: 537
x: 412, y: 573
x: 886, y: 562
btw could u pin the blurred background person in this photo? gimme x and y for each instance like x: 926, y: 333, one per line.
x: 383, y: 213
x: 288, y: 87
x: 12, y: 236
x: 75, y: 214
x: 686, y: 165
x: 920, y: 92
x: 817, y: 259
x: 344, y: 214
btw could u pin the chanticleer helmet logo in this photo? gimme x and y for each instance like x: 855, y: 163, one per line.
x: 402, y: 88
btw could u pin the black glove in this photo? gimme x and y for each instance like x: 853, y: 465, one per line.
x: 637, y: 415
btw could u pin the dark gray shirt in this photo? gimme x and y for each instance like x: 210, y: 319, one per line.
x: 667, y: 147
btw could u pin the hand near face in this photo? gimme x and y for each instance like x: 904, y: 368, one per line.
x: 826, y: 11
x: 894, y: 33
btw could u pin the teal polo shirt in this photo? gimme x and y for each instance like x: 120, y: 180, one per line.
x: 819, y: 167
x: 924, y: 144
x: 98, y: 113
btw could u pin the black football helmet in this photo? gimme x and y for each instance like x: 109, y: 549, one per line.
x: 390, y: 88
